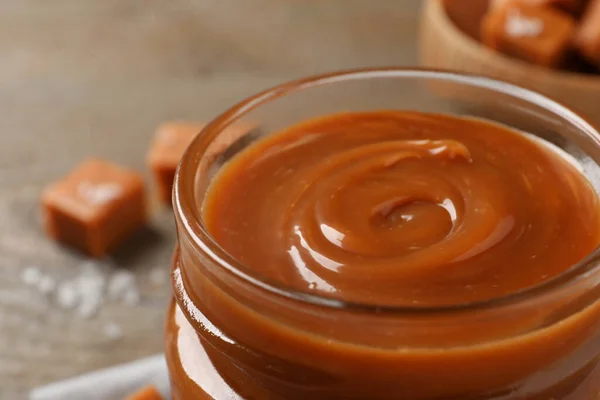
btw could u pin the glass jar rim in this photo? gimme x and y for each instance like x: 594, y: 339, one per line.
x: 188, y: 214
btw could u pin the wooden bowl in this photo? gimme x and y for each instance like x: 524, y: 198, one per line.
x: 449, y: 39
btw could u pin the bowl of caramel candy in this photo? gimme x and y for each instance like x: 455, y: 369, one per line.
x: 550, y: 46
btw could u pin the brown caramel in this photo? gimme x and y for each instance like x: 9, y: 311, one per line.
x: 389, y: 209
x: 170, y: 142
x: 426, y: 210
x: 587, y: 39
x: 95, y: 207
x: 539, y: 35
x: 147, y: 393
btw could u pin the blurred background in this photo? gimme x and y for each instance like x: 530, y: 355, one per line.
x: 87, y: 78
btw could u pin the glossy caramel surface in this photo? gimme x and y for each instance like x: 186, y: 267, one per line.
x: 403, y: 208
x: 390, y: 208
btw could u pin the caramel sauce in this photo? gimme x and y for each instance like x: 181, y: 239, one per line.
x: 390, y: 208
x: 401, y: 208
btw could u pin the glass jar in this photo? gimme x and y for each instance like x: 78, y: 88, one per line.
x: 233, y: 334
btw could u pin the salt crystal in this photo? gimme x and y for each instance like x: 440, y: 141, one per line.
x: 85, y: 292
x: 46, y: 285
x: 122, y: 286
x: 100, y: 193
x: 68, y: 295
x: 92, y: 267
x: 31, y: 275
x: 120, y: 283
x: 90, y: 285
x: 89, y: 305
x: 517, y: 25
x: 113, y: 331
x: 92, y: 281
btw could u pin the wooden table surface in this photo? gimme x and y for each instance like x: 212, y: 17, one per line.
x: 88, y: 77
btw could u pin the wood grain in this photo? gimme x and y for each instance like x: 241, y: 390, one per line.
x: 86, y: 77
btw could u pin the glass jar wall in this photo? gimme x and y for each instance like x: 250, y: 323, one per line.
x: 234, y: 334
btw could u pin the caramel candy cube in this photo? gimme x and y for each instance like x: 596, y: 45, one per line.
x: 587, y: 39
x: 147, y: 393
x: 95, y: 207
x: 170, y: 142
x: 539, y: 35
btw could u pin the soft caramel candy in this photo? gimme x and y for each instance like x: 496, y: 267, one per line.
x: 539, y: 35
x: 95, y: 207
x: 587, y: 39
x: 147, y: 393
x: 170, y: 142
x: 572, y: 6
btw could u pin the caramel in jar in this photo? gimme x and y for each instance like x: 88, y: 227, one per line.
x: 400, y: 243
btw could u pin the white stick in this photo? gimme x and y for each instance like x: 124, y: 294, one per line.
x: 113, y: 383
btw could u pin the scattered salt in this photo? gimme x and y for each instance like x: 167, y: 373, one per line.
x: 91, y: 281
x: 31, y: 276
x: 518, y: 25
x: 100, y: 193
x: 89, y: 306
x: 84, y: 293
x: 123, y: 287
x: 120, y: 283
x: 67, y: 295
x: 90, y: 284
x: 46, y: 285
x: 113, y: 331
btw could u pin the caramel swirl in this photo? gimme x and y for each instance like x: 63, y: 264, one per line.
x: 397, y: 207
